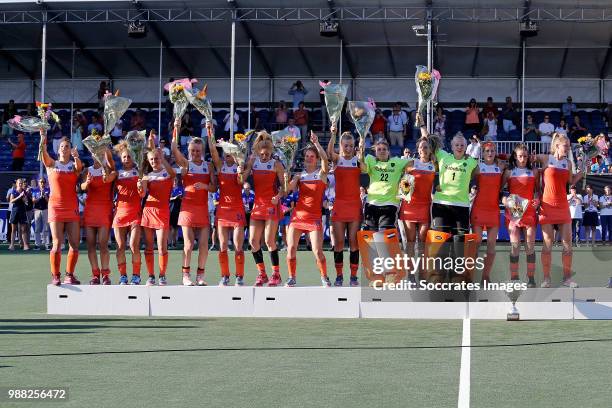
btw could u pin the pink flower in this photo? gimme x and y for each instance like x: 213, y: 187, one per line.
x: 186, y: 82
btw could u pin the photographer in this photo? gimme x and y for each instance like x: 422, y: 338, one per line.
x: 298, y: 92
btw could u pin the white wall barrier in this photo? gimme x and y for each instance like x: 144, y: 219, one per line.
x: 318, y: 302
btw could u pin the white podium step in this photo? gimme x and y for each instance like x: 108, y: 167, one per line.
x: 377, y: 304
x: 113, y: 300
x: 201, y: 301
x: 533, y: 304
x: 593, y: 303
x: 313, y: 302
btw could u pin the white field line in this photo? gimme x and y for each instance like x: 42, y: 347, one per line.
x: 464, y: 374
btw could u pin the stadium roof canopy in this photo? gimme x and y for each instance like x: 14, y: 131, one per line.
x: 478, y: 38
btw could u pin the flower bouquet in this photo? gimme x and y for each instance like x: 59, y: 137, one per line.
x: 238, y: 150
x: 136, y: 142
x: 334, y: 99
x: 362, y: 114
x: 97, y: 145
x: 114, y: 107
x: 426, y: 86
x: 30, y: 124
x: 286, y: 147
x: 588, y: 148
x: 178, y: 95
x: 406, y: 188
x: 200, y: 102
x: 516, y: 206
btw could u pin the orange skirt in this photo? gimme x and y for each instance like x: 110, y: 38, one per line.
x: 415, y: 212
x: 266, y: 211
x: 155, y: 218
x: 63, y: 214
x: 529, y: 219
x: 97, y: 216
x: 485, y: 218
x: 346, y: 211
x: 126, y: 217
x: 306, y: 225
x: 230, y: 217
x: 193, y: 219
x: 554, y: 214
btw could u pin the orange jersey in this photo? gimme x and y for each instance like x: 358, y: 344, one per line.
x: 195, y: 199
x: 265, y: 183
x: 522, y: 182
x: 347, y: 204
x: 485, y: 210
x: 127, y: 212
x: 63, y: 201
x: 156, y: 211
x: 230, y: 211
x: 98, y: 210
x: 554, y: 205
x: 307, y: 214
x: 419, y: 207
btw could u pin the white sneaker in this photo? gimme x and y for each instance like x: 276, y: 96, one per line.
x: 569, y: 283
x: 200, y: 280
x: 187, y: 280
x: 546, y: 283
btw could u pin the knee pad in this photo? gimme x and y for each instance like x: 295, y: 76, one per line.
x: 436, y: 246
x: 465, y: 246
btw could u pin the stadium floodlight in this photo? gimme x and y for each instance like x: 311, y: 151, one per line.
x: 328, y: 28
x: 418, y: 30
x: 528, y: 28
x: 137, y: 29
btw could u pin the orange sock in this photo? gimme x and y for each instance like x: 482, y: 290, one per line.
x: 546, y: 259
x: 163, y: 264
x: 339, y: 268
x: 105, y: 272
x: 122, y: 269
x: 566, y: 258
x: 95, y: 272
x: 55, y: 261
x: 514, y: 267
x: 322, y: 265
x: 291, y: 265
x: 354, y: 269
x: 239, y: 259
x: 276, y: 269
x: 136, y: 268
x: 224, y: 263
x: 261, y: 268
x: 150, y: 261
x: 73, y: 257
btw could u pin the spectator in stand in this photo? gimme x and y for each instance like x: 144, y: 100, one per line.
x: 379, y: 125
x: 508, y: 115
x: 117, y: 133
x: 40, y: 198
x: 577, y: 130
x: 203, y: 131
x: 546, y: 130
x: 102, y: 90
x: 281, y: 115
x: 19, y: 149
x: 472, y: 120
x: 440, y: 124
x: 56, y: 136
x: 590, y: 220
x: 294, y: 130
x: 95, y: 124
x: 575, y: 207
x: 138, y: 121
x: 608, y: 116
x: 489, y: 130
x: 9, y: 112
x: 407, y: 154
x: 599, y: 167
x: 254, y: 119
x: 568, y: 109
x: 397, y: 124
x: 80, y: 116
x: 605, y: 215
x: 298, y: 92
x: 30, y: 206
x: 530, y: 132
x: 30, y: 110
x: 300, y: 115
x: 562, y: 128
x: 248, y: 199
x: 186, y: 131
x: 19, y: 198
x: 227, y: 123
x: 490, y: 107
x: 164, y: 148
x: 76, y: 139
x: 9, y: 227
x: 473, y: 149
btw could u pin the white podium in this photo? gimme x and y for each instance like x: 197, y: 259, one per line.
x: 201, y: 301
x: 313, y: 302
x: 112, y: 300
x: 593, y: 303
x: 533, y: 304
x: 377, y: 304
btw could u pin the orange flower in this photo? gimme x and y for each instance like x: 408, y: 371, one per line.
x: 239, y: 137
x: 424, y: 76
x: 292, y: 139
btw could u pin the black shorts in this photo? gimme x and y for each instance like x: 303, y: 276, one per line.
x: 590, y: 219
x: 380, y: 217
x: 450, y: 218
x: 18, y: 216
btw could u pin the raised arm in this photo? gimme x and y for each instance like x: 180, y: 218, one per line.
x: 179, y: 158
x: 422, y: 126
x: 46, y: 159
x: 214, y: 154
x: 324, y: 162
x: 361, y: 156
x: 78, y: 164
x: 331, y: 153
x: 169, y: 169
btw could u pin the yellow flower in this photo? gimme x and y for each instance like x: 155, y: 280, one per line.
x: 240, y: 137
x: 178, y: 87
x: 292, y: 139
x: 424, y: 76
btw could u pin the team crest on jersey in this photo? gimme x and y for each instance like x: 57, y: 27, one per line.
x: 354, y: 164
x: 392, y: 164
x: 164, y: 174
x: 269, y: 166
x: 430, y: 167
x: 464, y: 164
x: 563, y: 165
x: 496, y: 168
